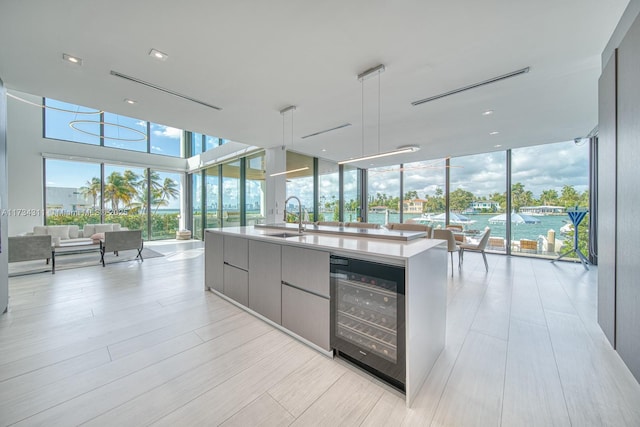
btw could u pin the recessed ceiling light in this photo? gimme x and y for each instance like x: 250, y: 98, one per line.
x: 129, y: 101
x: 324, y: 149
x: 487, y: 113
x: 495, y: 132
x: 155, y: 53
x: 497, y: 145
x: 73, y: 59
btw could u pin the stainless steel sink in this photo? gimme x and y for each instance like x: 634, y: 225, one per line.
x: 284, y: 235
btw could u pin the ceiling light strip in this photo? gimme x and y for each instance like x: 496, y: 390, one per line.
x: 403, y: 150
x: 161, y: 89
x: 291, y: 171
x: 326, y: 130
x: 472, y: 86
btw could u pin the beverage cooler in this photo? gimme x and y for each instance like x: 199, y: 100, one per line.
x: 368, y: 317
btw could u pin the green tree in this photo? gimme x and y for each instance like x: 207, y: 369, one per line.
x: 569, y: 197
x: 520, y: 197
x: 549, y: 198
x: 91, y: 189
x: 169, y: 190
x: 460, y: 199
x: 118, y: 189
x: 411, y: 195
x: 501, y: 199
x: 434, y: 203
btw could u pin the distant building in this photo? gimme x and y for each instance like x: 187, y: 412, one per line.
x: 478, y: 206
x: 413, y: 206
x: 67, y: 199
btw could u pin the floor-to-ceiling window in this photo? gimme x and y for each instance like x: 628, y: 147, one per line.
x: 75, y: 123
x: 328, y: 191
x: 165, y: 140
x: 213, y: 209
x: 125, y: 197
x: 383, y: 193
x: 231, y: 194
x: 72, y: 192
x: 300, y: 184
x: 547, y: 180
x: 165, y: 204
x: 477, y: 196
x: 255, y: 189
x: 351, y: 193
x: 423, y: 186
x: 58, y: 115
x: 125, y: 132
x: 196, y: 205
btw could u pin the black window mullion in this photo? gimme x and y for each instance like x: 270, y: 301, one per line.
x: 243, y: 187
x: 148, y: 207
x: 340, y: 193
x: 148, y: 137
x: 316, y: 191
x: 508, y: 212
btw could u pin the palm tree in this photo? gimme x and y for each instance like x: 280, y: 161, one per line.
x: 168, y: 191
x: 119, y: 189
x: 91, y: 189
x: 155, y: 187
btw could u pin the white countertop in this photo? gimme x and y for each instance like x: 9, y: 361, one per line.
x: 394, y: 249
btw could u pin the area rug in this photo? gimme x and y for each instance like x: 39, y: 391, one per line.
x: 87, y: 259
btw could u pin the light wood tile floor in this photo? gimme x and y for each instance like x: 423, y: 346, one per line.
x: 142, y: 344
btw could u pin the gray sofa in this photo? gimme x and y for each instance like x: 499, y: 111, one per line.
x: 30, y: 248
x: 115, y: 241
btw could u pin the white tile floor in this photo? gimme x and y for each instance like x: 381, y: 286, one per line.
x: 141, y: 343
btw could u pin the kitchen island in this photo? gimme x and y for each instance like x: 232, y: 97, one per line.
x: 283, y: 278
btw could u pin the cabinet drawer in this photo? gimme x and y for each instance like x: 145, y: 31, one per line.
x: 306, y: 315
x: 236, y: 284
x: 265, y: 279
x: 306, y: 269
x: 236, y: 252
x: 214, y: 261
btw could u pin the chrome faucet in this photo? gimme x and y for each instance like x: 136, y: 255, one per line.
x: 300, y: 227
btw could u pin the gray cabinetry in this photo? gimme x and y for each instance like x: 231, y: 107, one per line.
x: 236, y: 284
x: 306, y: 315
x: 213, y: 261
x: 236, y: 252
x: 264, y: 279
x: 306, y: 269
x: 628, y: 233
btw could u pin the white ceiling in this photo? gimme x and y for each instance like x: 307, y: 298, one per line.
x: 253, y: 58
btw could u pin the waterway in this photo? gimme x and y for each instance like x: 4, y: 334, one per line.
x: 518, y: 231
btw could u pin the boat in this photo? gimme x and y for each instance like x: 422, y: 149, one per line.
x: 566, y: 229
x: 454, y: 218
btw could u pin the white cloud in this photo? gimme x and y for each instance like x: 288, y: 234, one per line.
x: 167, y: 132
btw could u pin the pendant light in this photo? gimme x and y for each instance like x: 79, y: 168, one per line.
x: 284, y: 111
x: 375, y: 72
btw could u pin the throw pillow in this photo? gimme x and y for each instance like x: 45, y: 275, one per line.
x: 74, y: 231
x: 97, y: 236
x: 61, y: 231
x: 88, y: 230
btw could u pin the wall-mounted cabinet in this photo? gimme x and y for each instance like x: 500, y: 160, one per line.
x: 619, y: 200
